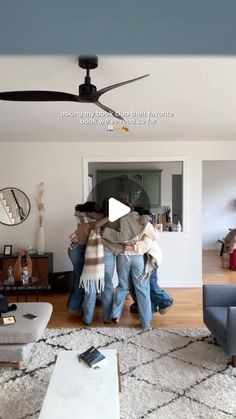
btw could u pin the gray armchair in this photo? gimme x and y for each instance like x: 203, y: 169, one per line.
x: 219, y: 315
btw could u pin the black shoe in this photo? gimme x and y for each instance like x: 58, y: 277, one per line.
x: 98, y: 300
x: 164, y: 310
x: 133, y: 308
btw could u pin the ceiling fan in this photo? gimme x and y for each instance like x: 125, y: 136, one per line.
x: 88, y: 92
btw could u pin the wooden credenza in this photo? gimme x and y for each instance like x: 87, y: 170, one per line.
x: 42, y: 267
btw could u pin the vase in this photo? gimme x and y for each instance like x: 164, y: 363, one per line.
x: 40, y: 241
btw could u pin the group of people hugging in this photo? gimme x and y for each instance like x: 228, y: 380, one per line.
x: 129, y: 245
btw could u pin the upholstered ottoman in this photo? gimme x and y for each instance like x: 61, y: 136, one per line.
x: 17, y: 340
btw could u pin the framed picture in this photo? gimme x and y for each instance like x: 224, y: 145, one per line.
x: 7, y: 250
x: 5, y: 321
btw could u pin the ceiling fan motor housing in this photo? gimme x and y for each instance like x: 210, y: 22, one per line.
x: 87, y: 89
x: 88, y: 61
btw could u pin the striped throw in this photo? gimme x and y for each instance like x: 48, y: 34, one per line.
x: 92, y: 277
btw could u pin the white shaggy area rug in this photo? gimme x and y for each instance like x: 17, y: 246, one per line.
x: 165, y: 373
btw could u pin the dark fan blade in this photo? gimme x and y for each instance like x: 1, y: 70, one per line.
x: 106, y: 89
x: 109, y: 110
x: 38, y: 96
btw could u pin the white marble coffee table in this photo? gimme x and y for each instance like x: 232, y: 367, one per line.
x: 77, y: 391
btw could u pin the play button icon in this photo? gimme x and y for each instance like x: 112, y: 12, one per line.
x: 116, y: 209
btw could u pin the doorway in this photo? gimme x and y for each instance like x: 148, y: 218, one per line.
x: 177, y: 198
x: 146, y: 170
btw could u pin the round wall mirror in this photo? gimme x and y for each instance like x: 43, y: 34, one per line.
x: 14, y: 206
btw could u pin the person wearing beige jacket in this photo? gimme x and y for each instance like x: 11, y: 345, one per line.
x: 130, y: 263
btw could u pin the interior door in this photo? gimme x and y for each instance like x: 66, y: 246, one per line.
x: 177, y: 194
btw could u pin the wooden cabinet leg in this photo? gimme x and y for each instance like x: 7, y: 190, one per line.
x: 234, y: 361
x: 19, y: 365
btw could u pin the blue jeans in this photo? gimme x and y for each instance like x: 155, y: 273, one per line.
x: 159, y: 297
x: 76, y: 297
x: 89, y: 306
x: 132, y: 266
x: 107, y: 294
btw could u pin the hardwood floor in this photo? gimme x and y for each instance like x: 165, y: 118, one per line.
x: 186, y: 310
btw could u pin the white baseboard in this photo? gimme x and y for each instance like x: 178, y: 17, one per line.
x: 172, y: 284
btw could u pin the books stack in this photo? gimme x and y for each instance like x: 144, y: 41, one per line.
x: 92, y: 357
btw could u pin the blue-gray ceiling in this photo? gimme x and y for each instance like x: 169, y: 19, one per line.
x: 118, y: 27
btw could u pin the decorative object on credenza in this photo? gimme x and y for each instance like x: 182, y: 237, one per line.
x: 7, y: 251
x: 23, y: 267
x: 40, y: 241
x: 40, y: 206
x: 10, y: 277
x: 31, y: 250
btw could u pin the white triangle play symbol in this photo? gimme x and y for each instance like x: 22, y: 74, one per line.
x: 116, y: 209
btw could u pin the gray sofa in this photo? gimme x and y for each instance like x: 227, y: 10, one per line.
x: 17, y: 340
x: 219, y: 315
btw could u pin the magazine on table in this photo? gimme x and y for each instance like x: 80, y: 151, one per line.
x: 92, y: 357
x: 30, y: 316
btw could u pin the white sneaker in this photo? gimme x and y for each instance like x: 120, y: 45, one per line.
x: 146, y: 328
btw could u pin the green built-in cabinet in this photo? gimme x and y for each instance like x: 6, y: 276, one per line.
x: 142, y: 188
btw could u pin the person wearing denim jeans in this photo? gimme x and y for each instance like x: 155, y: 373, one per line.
x: 139, y: 236
x: 132, y: 265
x: 132, y: 262
x: 160, y: 299
x: 108, y: 292
x: 76, y: 254
x: 89, y: 306
x: 84, y: 241
x: 80, y: 301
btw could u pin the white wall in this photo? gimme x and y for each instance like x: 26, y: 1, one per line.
x: 219, y: 201
x: 59, y: 166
